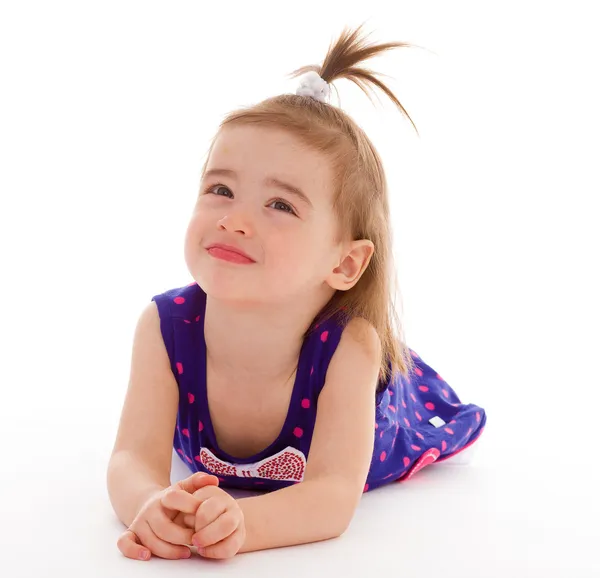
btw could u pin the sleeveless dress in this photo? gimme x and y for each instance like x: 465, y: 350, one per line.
x: 418, y: 420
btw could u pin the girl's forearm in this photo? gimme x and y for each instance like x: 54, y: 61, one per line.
x: 310, y: 511
x: 130, y: 483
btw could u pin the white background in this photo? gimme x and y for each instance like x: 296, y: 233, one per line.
x: 107, y: 110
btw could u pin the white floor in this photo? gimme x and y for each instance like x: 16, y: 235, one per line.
x: 537, y: 517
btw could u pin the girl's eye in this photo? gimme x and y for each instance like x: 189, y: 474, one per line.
x: 286, y: 209
x: 216, y: 188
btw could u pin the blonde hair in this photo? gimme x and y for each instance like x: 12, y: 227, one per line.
x: 360, y: 189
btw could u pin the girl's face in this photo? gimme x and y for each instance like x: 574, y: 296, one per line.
x: 247, y: 200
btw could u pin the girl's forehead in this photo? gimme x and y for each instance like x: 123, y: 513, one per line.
x: 258, y: 138
x: 255, y: 152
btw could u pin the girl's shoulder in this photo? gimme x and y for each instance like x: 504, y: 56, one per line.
x: 324, y: 340
x: 186, y: 302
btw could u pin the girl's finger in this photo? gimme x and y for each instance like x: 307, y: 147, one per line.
x: 189, y: 520
x: 226, y: 548
x: 207, y: 492
x: 225, y: 525
x: 160, y: 547
x: 180, y: 500
x: 179, y: 519
x: 128, y: 544
x: 209, y: 510
x: 166, y: 529
x: 197, y: 481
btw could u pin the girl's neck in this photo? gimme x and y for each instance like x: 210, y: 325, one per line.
x: 258, y: 343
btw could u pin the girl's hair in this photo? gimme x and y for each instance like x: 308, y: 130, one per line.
x: 360, y: 189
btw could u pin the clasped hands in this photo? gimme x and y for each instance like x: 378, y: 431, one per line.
x: 192, y: 512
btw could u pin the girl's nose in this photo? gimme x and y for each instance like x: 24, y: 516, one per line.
x: 236, y: 222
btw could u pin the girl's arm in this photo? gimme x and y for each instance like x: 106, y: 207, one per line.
x: 140, y: 464
x: 322, y: 506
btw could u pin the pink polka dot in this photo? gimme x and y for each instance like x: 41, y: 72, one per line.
x: 414, y: 354
x: 446, y: 394
x: 191, y: 397
x: 324, y: 336
x: 197, y: 458
x: 391, y: 391
x: 418, y: 372
x: 380, y: 434
x: 406, y: 462
x: 197, y: 318
x: 412, y: 396
x: 423, y: 388
x: 200, y: 426
x: 478, y: 417
x: 406, y: 422
x: 420, y: 436
x: 179, y: 368
x: 414, y: 447
x: 444, y: 446
x: 439, y: 376
x: 382, y: 456
x: 392, y: 408
x: 186, y: 321
x: 311, y: 370
x: 298, y: 432
x: 188, y: 459
x: 179, y: 300
x: 430, y: 406
x: 470, y: 431
x: 453, y: 421
x: 376, y: 425
x: 418, y: 416
x: 366, y: 488
x: 403, y: 404
x: 306, y: 403
x: 186, y: 432
x: 447, y: 429
x: 180, y: 451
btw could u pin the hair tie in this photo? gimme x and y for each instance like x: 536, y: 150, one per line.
x: 311, y: 84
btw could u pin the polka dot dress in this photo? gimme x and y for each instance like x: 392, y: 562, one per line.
x: 418, y: 420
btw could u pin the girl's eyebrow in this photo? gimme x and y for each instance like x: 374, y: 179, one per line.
x: 269, y: 182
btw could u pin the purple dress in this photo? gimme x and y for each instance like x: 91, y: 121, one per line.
x: 417, y: 421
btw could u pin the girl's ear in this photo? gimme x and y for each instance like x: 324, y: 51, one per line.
x: 352, y: 265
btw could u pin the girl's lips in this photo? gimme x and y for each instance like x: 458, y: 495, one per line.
x: 229, y: 254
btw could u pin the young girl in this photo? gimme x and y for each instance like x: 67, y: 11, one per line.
x: 279, y: 367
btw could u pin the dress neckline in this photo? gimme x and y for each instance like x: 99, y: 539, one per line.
x: 302, y: 375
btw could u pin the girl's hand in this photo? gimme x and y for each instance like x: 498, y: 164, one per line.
x: 155, y: 531
x: 219, y: 524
